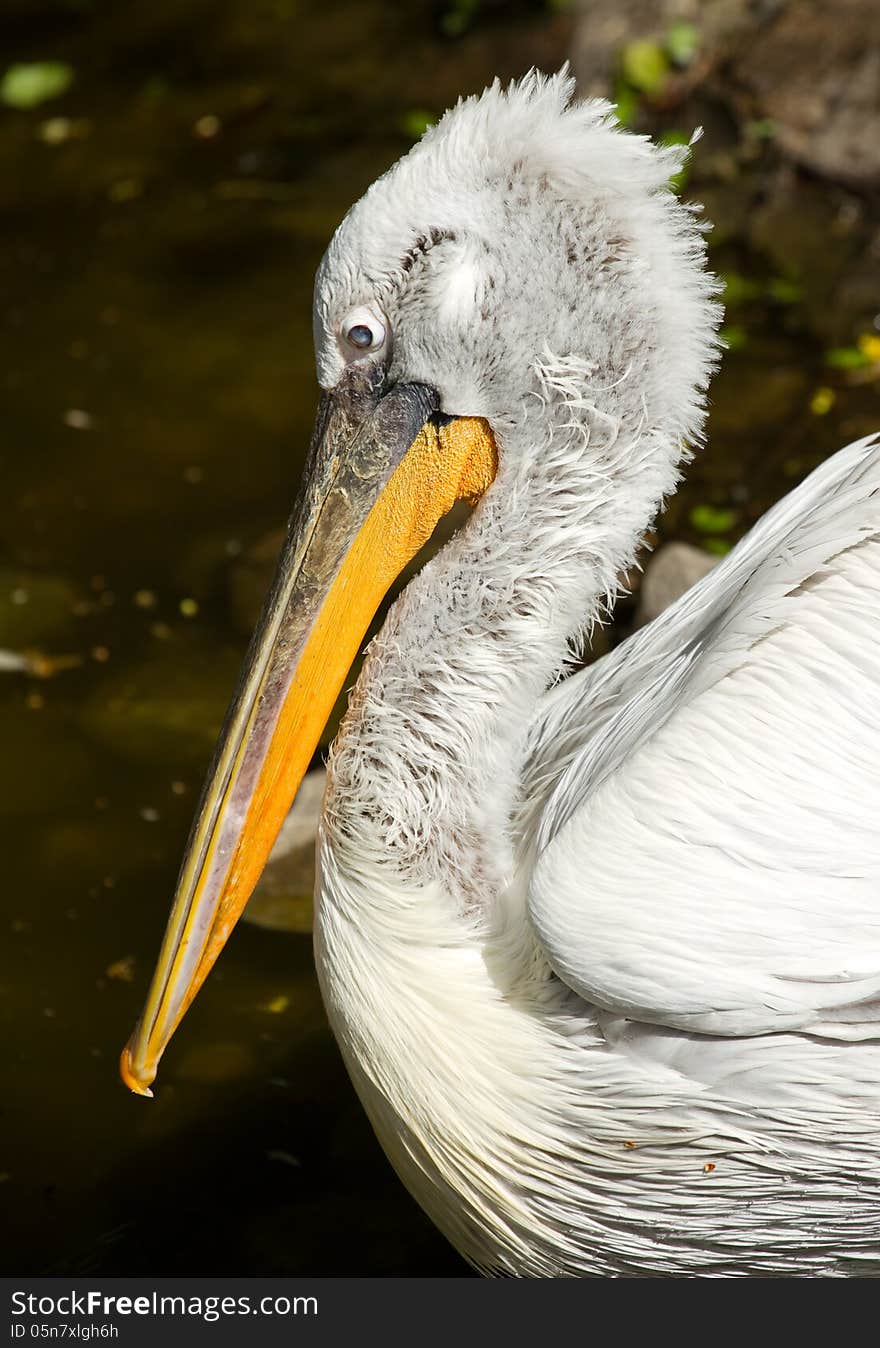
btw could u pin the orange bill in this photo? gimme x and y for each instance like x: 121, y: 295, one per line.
x: 384, y: 466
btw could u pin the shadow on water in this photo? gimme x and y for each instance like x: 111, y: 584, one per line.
x: 159, y: 228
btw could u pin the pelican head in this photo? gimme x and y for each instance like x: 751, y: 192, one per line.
x: 523, y: 243
x: 516, y: 314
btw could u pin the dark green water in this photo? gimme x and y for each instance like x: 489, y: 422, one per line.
x: 155, y: 280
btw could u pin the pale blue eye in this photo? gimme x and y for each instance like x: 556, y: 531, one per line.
x: 360, y: 335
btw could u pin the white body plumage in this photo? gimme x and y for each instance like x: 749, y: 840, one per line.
x: 668, y: 1121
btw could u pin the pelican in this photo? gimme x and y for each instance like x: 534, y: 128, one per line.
x: 600, y: 947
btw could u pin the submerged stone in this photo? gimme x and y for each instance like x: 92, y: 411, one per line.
x: 671, y: 571
x: 282, y: 900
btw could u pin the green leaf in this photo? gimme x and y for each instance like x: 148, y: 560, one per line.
x: 645, y: 66
x: 459, y: 17
x: 626, y: 103
x: 734, y: 336
x: 27, y: 86
x: 682, y: 43
x: 415, y: 122
x: 675, y: 137
x: 709, y: 519
x: 719, y: 546
x: 739, y: 289
x: 762, y: 129
x: 783, y: 290
x: 846, y: 358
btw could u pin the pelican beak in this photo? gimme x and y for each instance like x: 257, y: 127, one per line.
x: 383, y: 468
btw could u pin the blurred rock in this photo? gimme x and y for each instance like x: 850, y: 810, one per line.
x: 671, y: 571
x: 817, y: 233
x: 808, y: 70
x: 282, y: 900
x: 778, y: 88
x: 816, y: 75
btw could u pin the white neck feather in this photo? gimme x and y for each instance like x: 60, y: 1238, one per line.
x: 453, y: 1031
x: 424, y: 774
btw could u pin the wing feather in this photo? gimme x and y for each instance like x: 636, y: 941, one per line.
x: 705, y: 845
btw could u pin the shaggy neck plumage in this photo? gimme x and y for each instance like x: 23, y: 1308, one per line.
x: 441, y: 1002
x: 424, y: 775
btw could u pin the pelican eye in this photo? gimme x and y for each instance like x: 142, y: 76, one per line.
x: 361, y: 335
x: 363, y: 331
